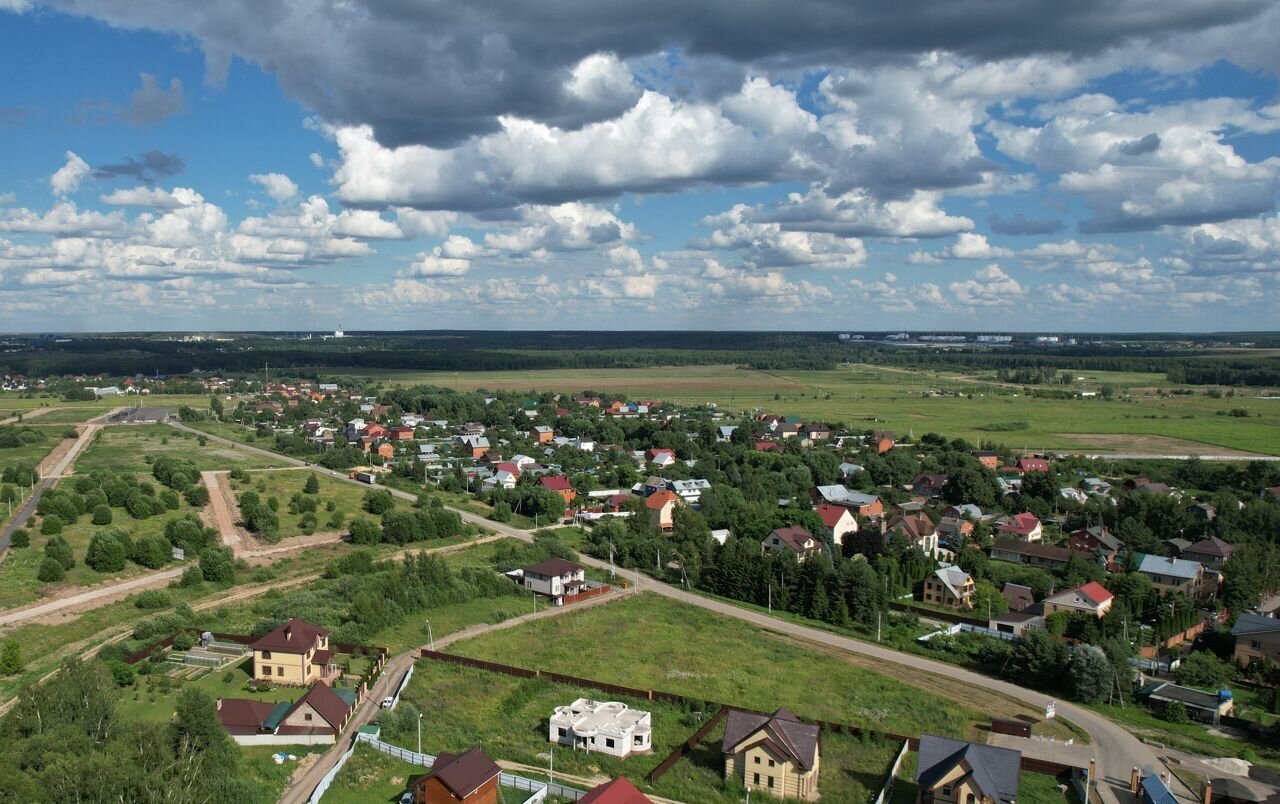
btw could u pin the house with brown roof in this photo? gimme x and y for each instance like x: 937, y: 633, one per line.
x: 619, y: 791
x: 928, y: 484
x: 1099, y: 540
x: 555, y: 578
x: 988, y: 459
x: 791, y: 539
x: 882, y: 441
x: 1036, y: 554
x: 297, y: 653
x: 918, y: 529
x: 1211, y: 552
x: 1019, y: 597
x: 661, y: 506
x: 470, y: 778
x: 1026, y: 465
x: 560, y: 485
x: 316, y: 718
x: 386, y: 450
x: 774, y: 754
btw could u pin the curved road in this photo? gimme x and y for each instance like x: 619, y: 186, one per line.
x: 1117, y: 751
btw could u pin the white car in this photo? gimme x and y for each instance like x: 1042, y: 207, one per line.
x: 388, y: 702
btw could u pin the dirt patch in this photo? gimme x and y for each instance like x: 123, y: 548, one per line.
x: 1138, y: 444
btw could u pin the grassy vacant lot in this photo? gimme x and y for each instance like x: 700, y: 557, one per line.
x: 890, y: 398
x: 723, y: 660
x: 36, y: 451
x: 124, y: 448
x: 347, y: 498
x: 508, y: 716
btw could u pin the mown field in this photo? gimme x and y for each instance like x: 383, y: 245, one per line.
x: 125, y: 448
x: 885, y: 398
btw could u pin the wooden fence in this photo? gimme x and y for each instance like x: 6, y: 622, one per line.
x: 688, y: 745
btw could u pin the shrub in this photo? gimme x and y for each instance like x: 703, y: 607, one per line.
x: 365, y: 531
x: 50, y: 571
x: 10, y: 657
x: 184, y: 641
x: 312, y: 486
x: 59, y: 550
x: 102, y: 515
x: 122, y: 673
x: 51, y: 525
x: 501, y: 512
x: 378, y: 502
x: 192, y: 576
x: 197, y: 496
x: 151, y: 552
x: 1174, y: 712
x: 106, y: 552
x: 216, y: 565
x: 152, y: 599
x: 21, y: 538
x: 169, y: 499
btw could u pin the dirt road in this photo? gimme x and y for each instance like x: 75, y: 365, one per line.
x: 27, y: 415
x: 222, y: 508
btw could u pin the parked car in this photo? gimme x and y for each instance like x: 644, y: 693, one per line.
x: 388, y: 702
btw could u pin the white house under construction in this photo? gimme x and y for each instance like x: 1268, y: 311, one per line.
x: 608, y: 726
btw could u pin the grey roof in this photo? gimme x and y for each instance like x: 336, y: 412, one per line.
x: 1163, y: 691
x: 952, y: 577
x: 798, y: 740
x: 1255, y: 624
x: 996, y: 771
x: 1176, y: 567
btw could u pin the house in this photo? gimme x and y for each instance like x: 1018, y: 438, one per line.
x: 541, y: 434
x: 1257, y: 639
x: 1024, y: 527
x: 849, y: 470
x: 560, y: 485
x: 724, y: 433
x: 660, y: 457
x: 402, y: 433
x: 1034, y: 553
x: 863, y: 505
x: 882, y: 441
x: 1019, y: 597
x: 950, y: 771
x: 791, y: 539
x: 988, y: 459
x: 661, y: 506
x: 1204, y: 512
x: 297, y: 653
x: 1211, y: 552
x: 652, y: 484
x: 607, y: 726
x: 476, y: 445
x: 1173, y: 574
x: 386, y: 450
x: 838, y: 522
x: 774, y: 754
x: 1016, y: 623
x: 555, y: 578
x: 316, y: 718
x: 949, y: 586
x: 954, y: 531
x: 918, y: 529
x: 1026, y: 465
x: 1072, y: 494
x: 619, y: 791
x: 1090, y: 598
x: 927, y: 484
x: 1096, y: 539
x: 1206, y: 707
x: 690, y: 491
x: 470, y: 778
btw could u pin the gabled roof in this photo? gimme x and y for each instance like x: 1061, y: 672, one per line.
x: 1247, y: 624
x: 1019, y: 597
x: 953, y: 578
x: 832, y: 514
x: 798, y: 741
x: 1212, y: 546
x: 619, y: 791
x: 463, y: 774
x: 295, y: 636
x: 1092, y: 593
x: 660, y: 498
x: 995, y: 771
x: 553, y: 567
x: 794, y: 536
x: 1177, y: 567
x: 555, y: 482
x: 1022, y: 524
x: 914, y: 526
x: 325, y: 701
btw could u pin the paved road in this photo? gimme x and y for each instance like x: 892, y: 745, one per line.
x: 1117, y: 751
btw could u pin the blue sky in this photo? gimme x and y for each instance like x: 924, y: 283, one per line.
x: 305, y: 165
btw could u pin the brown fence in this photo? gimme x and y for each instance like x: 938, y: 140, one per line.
x: 935, y: 614
x: 1017, y: 728
x: 1028, y: 764
x: 587, y: 594
x: 688, y: 745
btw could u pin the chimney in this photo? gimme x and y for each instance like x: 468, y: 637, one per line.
x: 1207, y: 797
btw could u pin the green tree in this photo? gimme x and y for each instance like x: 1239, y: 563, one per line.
x: 102, y: 515
x: 59, y: 549
x: 106, y: 553
x: 10, y: 657
x: 312, y: 486
x: 365, y: 531
x: 1089, y: 673
x: 52, y: 525
x: 378, y: 501
x: 1203, y: 669
x: 50, y: 571
x: 20, y: 538
x: 217, y: 566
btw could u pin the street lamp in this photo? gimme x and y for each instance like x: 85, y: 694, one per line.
x: 431, y: 642
x: 419, y: 732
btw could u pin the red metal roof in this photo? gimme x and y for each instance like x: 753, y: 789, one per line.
x: 619, y: 791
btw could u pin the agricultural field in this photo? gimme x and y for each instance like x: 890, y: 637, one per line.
x: 126, y: 448
x: 1143, y: 416
x: 768, y: 670
x: 464, y: 707
x: 347, y: 499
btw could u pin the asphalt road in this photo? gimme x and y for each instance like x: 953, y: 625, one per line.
x: 1116, y: 750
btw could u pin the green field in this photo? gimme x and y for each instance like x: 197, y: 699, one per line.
x: 867, y: 397
x: 125, y: 448
x: 766, y: 670
x: 463, y: 708
x: 34, y: 452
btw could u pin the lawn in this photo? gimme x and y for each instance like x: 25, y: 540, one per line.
x: 125, y: 448
x: 766, y: 670
x: 463, y: 707
x: 347, y: 498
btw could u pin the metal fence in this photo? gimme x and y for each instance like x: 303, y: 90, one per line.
x: 323, y: 786
x: 404, y: 682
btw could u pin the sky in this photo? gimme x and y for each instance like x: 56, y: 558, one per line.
x: 973, y: 165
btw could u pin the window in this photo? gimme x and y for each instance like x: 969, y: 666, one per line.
x: 757, y: 760
x: 279, y: 671
x: 946, y: 790
x: 971, y: 799
x: 266, y: 654
x: 266, y: 669
x: 562, y: 732
x: 608, y: 742
x: 306, y: 716
x: 771, y: 781
x: 756, y: 780
x: 639, y: 740
x: 1256, y: 644
x: 772, y: 763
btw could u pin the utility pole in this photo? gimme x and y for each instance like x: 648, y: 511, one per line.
x: 878, y: 613
x: 419, y: 732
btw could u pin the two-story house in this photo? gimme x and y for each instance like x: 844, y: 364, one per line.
x: 1173, y: 574
x: 792, y: 539
x: 773, y: 754
x: 949, y: 586
x: 556, y: 579
x: 297, y: 654
x: 950, y: 771
x: 1257, y: 639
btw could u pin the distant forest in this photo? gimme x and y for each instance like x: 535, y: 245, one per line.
x: 119, y: 355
